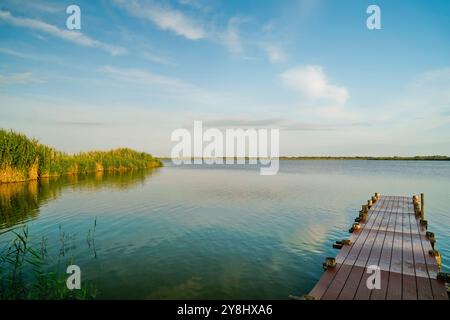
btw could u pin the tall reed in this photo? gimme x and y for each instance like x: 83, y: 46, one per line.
x: 24, y: 273
x: 23, y: 159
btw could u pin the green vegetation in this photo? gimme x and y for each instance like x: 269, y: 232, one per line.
x: 23, y: 273
x: 24, y: 159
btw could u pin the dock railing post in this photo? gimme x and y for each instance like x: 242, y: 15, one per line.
x: 422, y: 205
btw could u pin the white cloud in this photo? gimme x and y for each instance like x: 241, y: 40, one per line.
x: 231, y: 37
x: 28, y: 6
x: 72, y: 36
x: 433, y: 85
x: 197, y: 4
x: 158, y: 59
x: 144, y: 77
x: 19, y: 78
x: 426, y: 96
x: 169, y: 19
x: 313, y: 83
x: 336, y: 113
x: 15, y: 53
x: 274, y: 53
x: 174, y: 86
x: 165, y: 18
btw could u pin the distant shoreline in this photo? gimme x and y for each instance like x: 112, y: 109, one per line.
x: 391, y: 158
x: 415, y: 158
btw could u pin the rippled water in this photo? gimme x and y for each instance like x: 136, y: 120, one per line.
x: 215, y: 231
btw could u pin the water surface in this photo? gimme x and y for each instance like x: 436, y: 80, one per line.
x: 215, y: 231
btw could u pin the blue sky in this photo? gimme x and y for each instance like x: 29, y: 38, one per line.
x: 138, y: 70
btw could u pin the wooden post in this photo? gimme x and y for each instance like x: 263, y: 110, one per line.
x: 422, y: 205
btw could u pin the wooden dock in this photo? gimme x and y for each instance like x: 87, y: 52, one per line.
x: 390, y: 233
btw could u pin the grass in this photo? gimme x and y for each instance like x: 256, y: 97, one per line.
x: 24, y: 274
x: 22, y: 158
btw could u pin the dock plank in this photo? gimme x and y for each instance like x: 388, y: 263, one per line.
x: 394, y: 291
x: 385, y: 259
x: 393, y: 239
x: 363, y: 292
x: 359, y: 273
x: 340, y: 279
x: 409, y: 275
x: 320, y: 288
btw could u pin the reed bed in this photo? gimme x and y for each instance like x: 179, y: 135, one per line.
x: 22, y: 158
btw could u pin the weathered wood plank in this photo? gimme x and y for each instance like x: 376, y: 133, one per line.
x: 385, y: 258
x: 363, y: 292
x: 319, y: 289
x: 356, y: 279
x: 340, y: 278
x: 394, y: 291
x: 409, y: 275
x: 393, y: 239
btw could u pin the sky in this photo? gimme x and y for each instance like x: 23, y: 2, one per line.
x: 138, y: 70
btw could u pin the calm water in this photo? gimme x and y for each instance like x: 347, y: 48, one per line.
x: 215, y: 231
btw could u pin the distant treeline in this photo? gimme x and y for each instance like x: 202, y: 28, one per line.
x: 22, y: 158
x: 415, y: 158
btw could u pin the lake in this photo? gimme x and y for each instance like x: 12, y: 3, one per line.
x: 223, y: 232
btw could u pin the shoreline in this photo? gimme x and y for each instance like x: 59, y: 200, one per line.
x: 46, y: 177
x: 393, y: 158
x: 25, y: 159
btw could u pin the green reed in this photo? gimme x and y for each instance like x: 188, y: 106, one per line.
x: 22, y: 158
x: 24, y: 275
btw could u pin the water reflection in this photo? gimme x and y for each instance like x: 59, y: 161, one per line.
x: 207, y: 232
x: 20, y: 202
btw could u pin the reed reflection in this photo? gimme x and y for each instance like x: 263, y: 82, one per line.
x: 20, y: 202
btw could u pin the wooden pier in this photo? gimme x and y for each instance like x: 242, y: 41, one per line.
x: 390, y: 233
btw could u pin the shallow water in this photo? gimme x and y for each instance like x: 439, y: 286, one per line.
x: 215, y: 231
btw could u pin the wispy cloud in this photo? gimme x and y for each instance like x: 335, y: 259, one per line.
x: 432, y: 85
x: 158, y: 59
x: 231, y: 37
x: 143, y: 77
x: 15, y: 53
x: 165, y: 18
x: 244, y: 122
x: 175, y: 86
x: 274, y: 53
x: 67, y: 35
x: 313, y: 83
x: 199, y: 26
x: 283, y: 123
x: 197, y: 4
x: 426, y: 96
x: 46, y: 6
x: 19, y: 78
x: 81, y: 124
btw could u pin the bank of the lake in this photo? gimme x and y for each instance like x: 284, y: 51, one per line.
x: 23, y: 159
